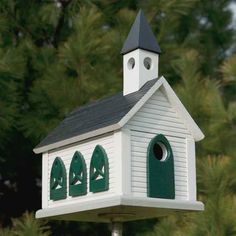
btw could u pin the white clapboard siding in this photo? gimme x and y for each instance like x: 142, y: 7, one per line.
x: 158, y: 116
x: 86, y: 149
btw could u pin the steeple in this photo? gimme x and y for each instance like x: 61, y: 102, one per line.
x: 140, y: 55
x: 140, y: 36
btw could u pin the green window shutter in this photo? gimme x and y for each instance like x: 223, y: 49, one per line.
x: 99, y: 170
x: 77, y: 176
x: 58, y: 180
x: 160, y: 169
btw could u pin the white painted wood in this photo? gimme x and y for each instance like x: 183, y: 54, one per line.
x: 151, y: 121
x: 45, y: 180
x: 144, y: 126
x: 161, y: 130
x: 135, y: 74
x: 79, y: 206
x: 118, y: 161
x: 191, y: 165
x: 123, y: 160
x: 78, y: 138
x: 167, y: 112
x: 189, y: 122
x: 140, y: 207
x: 139, y: 177
x: 161, y: 203
x: 184, y: 116
x: 175, y: 140
x: 141, y: 102
x: 126, y: 162
x: 153, y: 102
x: 86, y: 149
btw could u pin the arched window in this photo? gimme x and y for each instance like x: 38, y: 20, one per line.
x: 77, y: 176
x: 160, y: 169
x: 58, y: 180
x: 99, y: 170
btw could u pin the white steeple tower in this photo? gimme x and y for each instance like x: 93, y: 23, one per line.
x: 140, y: 55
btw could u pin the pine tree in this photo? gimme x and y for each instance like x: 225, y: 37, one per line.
x: 27, y: 225
x: 57, y: 55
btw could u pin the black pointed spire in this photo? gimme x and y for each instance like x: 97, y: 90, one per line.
x: 140, y: 36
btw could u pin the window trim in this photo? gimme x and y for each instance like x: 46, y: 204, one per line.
x: 77, y: 189
x: 99, y: 185
x: 58, y: 193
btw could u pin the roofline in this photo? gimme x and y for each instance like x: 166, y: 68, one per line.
x: 77, y: 138
x: 188, y: 120
x: 138, y: 47
x: 181, y: 110
x: 140, y: 103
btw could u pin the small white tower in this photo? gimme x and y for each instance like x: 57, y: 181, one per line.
x: 140, y: 56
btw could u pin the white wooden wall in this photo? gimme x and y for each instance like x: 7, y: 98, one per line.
x: 66, y: 154
x: 157, y: 116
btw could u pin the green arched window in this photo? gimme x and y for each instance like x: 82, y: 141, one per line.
x: 58, y: 180
x: 77, y: 176
x: 99, y: 170
x: 160, y: 169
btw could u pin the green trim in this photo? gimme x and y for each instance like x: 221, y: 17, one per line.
x: 58, y: 180
x: 99, y: 170
x: 160, y: 171
x: 77, y: 176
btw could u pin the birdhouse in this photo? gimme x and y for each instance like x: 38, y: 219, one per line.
x: 128, y: 156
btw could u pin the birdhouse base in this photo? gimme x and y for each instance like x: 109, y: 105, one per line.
x: 118, y: 209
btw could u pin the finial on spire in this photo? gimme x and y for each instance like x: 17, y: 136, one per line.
x: 141, y: 36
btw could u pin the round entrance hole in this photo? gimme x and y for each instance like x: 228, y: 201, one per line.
x: 131, y: 63
x: 147, y: 63
x: 160, y: 151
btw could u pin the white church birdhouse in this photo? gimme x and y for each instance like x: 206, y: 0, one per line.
x: 129, y: 156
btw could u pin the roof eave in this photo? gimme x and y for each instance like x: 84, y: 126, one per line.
x: 188, y: 120
x: 77, y: 138
x: 143, y: 48
x: 175, y: 101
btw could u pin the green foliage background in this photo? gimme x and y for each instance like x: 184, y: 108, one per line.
x: 57, y: 55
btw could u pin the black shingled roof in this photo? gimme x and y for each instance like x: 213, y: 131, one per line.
x: 141, y: 36
x: 99, y: 114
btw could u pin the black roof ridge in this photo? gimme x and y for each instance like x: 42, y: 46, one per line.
x: 141, y: 36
